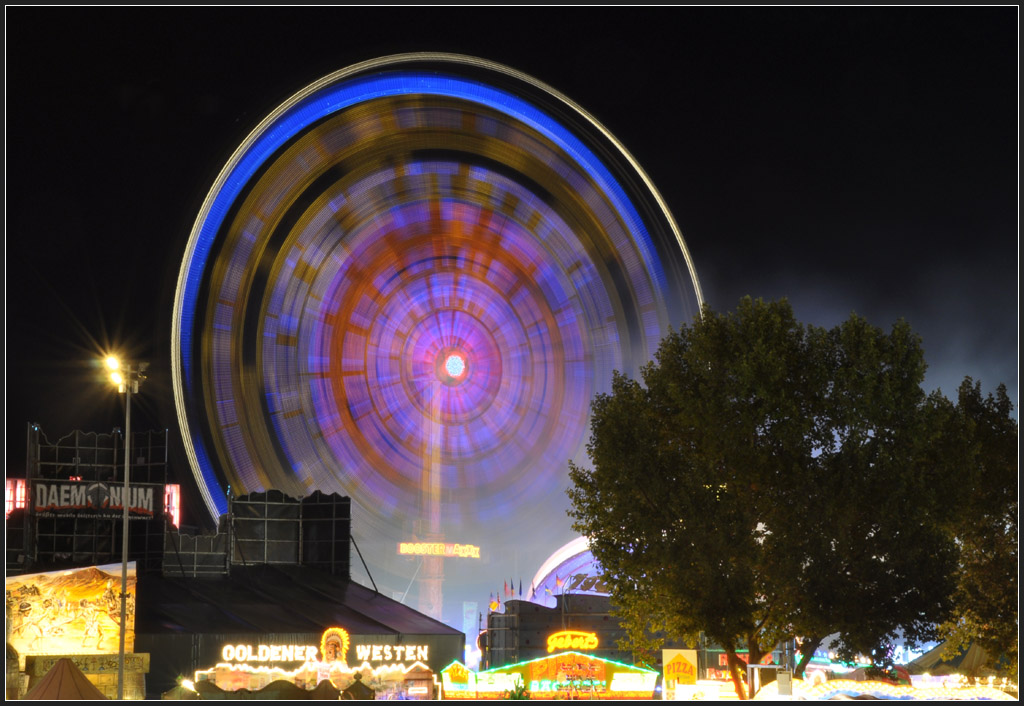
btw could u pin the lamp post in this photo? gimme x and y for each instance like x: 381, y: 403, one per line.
x: 127, y: 377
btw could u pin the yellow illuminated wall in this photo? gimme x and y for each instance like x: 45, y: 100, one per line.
x: 76, y: 611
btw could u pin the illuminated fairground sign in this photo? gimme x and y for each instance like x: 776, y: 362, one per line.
x: 334, y: 648
x: 254, y: 666
x: 268, y: 653
x: 94, y: 499
x: 465, y: 551
x: 572, y: 640
x: 568, y: 675
x: 680, y: 667
x: 392, y: 653
x: 232, y: 677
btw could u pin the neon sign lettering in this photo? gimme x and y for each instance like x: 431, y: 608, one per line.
x: 268, y: 653
x: 464, y: 551
x: 391, y: 653
x: 572, y: 640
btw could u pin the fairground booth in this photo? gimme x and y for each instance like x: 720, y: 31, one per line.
x: 64, y: 568
x: 563, y: 642
x: 266, y: 599
x: 269, y: 599
x: 559, y: 643
x: 564, y: 674
x: 264, y: 624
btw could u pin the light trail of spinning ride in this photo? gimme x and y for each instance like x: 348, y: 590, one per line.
x: 406, y: 286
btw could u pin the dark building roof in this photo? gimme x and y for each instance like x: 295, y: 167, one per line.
x: 184, y: 622
x: 273, y: 599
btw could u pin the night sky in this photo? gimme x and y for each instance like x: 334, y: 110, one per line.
x: 849, y: 159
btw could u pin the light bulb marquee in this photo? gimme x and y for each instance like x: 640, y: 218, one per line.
x: 443, y: 549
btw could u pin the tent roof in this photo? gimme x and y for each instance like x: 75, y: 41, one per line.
x: 65, y: 682
x: 252, y: 599
x: 180, y: 693
x: 967, y: 662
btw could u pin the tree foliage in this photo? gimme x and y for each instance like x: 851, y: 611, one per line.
x: 877, y: 561
x: 768, y: 480
x: 985, y: 601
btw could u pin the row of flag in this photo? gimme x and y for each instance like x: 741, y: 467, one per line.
x: 510, y: 592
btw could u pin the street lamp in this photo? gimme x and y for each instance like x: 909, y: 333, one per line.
x: 127, y: 377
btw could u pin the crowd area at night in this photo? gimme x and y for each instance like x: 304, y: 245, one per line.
x: 671, y: 359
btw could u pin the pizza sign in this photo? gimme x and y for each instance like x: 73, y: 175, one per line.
x: 680, y: 667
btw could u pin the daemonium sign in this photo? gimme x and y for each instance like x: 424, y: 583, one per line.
x: 446, y: 549
x: 94, y: 499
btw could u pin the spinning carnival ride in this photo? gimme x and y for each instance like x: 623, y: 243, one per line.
x: 406, y: 286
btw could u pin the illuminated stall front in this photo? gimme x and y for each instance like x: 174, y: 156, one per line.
x: 269, y: 598
x: 391, y: 670
x: 561, y: 675
x: 261, y: 624
x: 569, y: 667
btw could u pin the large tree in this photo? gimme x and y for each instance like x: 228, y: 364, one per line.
x: 876, y: 560
x: 983, y: 468
x: 764, y: 482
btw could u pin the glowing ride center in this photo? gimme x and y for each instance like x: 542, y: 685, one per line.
x: 406, y: 286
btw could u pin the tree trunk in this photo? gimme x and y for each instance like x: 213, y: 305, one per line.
x: 754, y: 652
x: 807, y: 648
x: 736, y: 669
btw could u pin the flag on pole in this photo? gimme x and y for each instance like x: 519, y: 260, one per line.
x: 558, y: 581
x: 520, y: 588
x: 506, y: 589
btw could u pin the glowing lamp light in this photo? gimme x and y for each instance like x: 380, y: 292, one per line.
x: 454, y: 365
x: 128, y: 383
x: 172, y: 503
x: 14, y: 495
